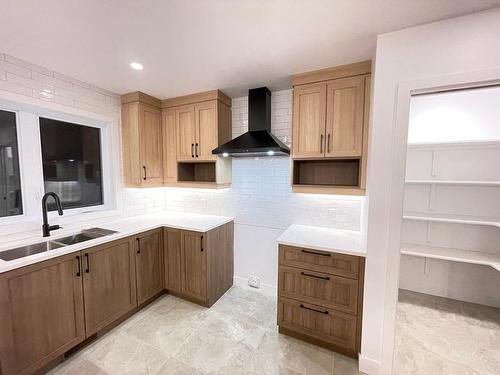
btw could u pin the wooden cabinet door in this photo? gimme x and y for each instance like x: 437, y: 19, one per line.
x: 169, y: 146
x: 345, y: 116
x: 150, y: 146
x: 309, y: 116
x: 194, y: 265
x: 186, y: 132
x: 108, y: 283
x: 206, y: 130
x: 41, y: 315
x: 149, y: 265
x: 173, y: 259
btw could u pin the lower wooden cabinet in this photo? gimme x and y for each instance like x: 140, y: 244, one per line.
x: 199, y: 266
x: 320, y: 297
x: 108, y: 283
x: 50, y: 307
x: 149, y: 265
x: 41, y: 313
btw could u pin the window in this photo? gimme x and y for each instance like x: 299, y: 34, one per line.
x: 71, y: 159
x: 10, y: 177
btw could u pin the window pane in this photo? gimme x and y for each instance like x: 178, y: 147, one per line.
x: 10, y: 180
x: 71, y: 156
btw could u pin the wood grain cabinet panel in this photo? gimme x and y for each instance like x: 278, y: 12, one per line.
x: 149, y: 265
x: 338, y: 293
x: 173, y: 259
x: 169, y: 146
x: 42, y: 313
x: 318, y: 322
x: 194, y: 265
x: 344, y: 120
x: 206, y: 130
x: 142, y: 147
x: 108, y: 283
x: 185, y: 125
x: 309, y: 116
x: 321, y: 261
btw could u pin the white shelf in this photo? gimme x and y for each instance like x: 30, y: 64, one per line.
x: 452, y: 182
x: 456, y: 255
x: 456, y: 219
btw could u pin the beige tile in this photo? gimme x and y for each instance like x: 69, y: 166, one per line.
x: 173, y: 367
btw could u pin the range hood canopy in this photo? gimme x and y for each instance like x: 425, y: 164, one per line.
x: 258, y: 141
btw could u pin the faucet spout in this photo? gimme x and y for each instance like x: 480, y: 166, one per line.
x: 46, y: 228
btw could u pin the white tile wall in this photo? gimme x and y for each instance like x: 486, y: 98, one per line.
x: 21, y: 77
x: 143, y: 201
x: 261, y: 193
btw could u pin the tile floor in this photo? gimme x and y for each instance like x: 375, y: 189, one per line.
x: 440, y: 336
x: 237, y: 335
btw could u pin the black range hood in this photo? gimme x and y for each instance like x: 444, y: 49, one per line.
x: 258, y: 141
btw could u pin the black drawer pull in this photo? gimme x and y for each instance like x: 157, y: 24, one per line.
x: 318, y: 277
x: 318, y: 311
x: 201, y: 243
x: 138, y: 245
x: 78, y: 266
x: 88, y: 263
x: 312, y: 252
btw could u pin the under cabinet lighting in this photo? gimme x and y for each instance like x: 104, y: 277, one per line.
x: 270, y: 153
x: 136, y: 66
x: 225, y: 154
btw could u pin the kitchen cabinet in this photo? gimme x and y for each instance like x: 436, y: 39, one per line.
x: 169, y: 146
x: 199, y: 266
x: 330, y: 130
x: 42, y: 313
x: 149, y: 265
x: 173, y: 259
x: 309, y: 116
x: 185, y: 127
x: 142, y: 141
x: 320, y: 297
x: 109, y: 283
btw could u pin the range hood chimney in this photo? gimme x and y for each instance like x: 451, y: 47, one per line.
x: 258, y: 141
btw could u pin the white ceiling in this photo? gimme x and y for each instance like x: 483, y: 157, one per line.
x: 188, y: 46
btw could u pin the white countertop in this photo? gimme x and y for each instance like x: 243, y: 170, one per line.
x: 127, y: 226
x: 325, y: 239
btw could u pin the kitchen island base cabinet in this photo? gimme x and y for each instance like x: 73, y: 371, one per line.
x: 199, y: 266
x: 320, y: 297
x: 42, y: 313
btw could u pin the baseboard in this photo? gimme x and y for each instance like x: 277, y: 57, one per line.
x: 369, y: 366
x: 267, y: 289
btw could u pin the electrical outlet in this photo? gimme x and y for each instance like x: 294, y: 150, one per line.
x: 254, y: 282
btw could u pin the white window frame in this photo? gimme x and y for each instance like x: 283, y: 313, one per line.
x: 30, y: 161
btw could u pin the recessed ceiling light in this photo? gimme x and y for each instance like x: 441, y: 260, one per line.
x: 136, y: 66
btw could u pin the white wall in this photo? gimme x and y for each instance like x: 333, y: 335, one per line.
x: 464, y: 115
x: 438, y: 51
x: 261, y: 199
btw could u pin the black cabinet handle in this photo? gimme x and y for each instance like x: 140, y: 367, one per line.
x: 318, y: 311
x: 312, y: 252
x: 196, y: 149
x: 192, y: 150
x: 328, y: 144
x: 88, y: 263
x: 318, y: 277
x: 202, y: 243
x: 145, y: 175
x: 138, y: 245
x: 321, y: 144
x: 78, y: 266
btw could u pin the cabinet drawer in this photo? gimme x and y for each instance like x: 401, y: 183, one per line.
x: 318, y: 322
x: 321, y: 261
x: 334, y: 292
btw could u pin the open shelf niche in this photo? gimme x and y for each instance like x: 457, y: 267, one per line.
x: 206, y: 174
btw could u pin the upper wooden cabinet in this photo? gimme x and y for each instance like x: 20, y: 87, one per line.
x: 330, y: 129
x: 202, y: 123
x: 169, y: 146
x: 142, y: 140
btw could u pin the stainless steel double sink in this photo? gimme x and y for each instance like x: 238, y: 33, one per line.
x: 84, y: 235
